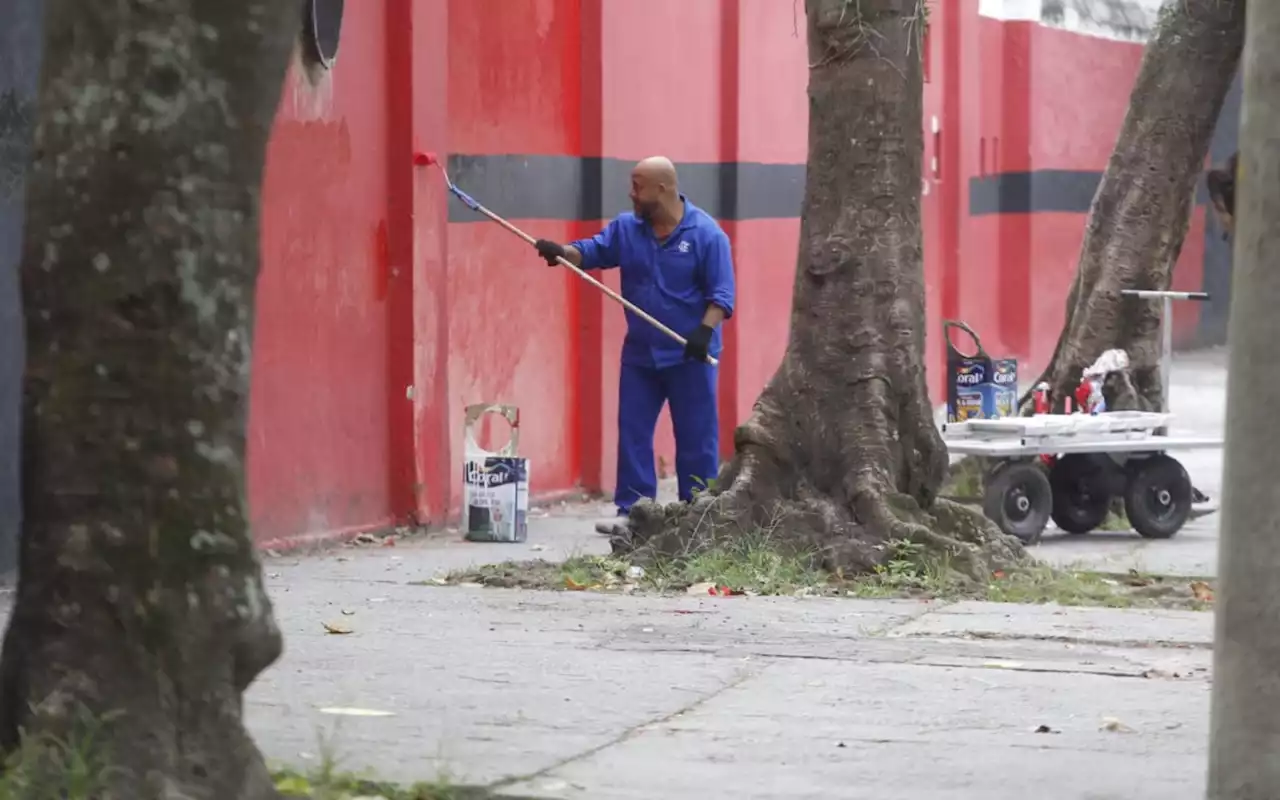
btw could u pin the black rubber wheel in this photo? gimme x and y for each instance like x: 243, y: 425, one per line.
x: 1081, y: 498
x: 1157, y: 498
x: 1018, y: 499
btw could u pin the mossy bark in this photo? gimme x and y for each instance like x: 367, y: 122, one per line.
x: 140, y: 595
x: 1142, y: 209
x: 841, y: 455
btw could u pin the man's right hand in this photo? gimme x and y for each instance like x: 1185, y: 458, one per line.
x: 550, y: 251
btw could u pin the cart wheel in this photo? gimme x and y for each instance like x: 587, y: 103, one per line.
x: 1081, y: 499
x: 1158, y: 496
x: 1018, y: 500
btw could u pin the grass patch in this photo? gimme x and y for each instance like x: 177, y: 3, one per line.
x: 330, y: 784
x: 1115, y: 521
x: 327, y: 781
x: 965, y: 480
x: 750, y: 566
x: 73, y: 767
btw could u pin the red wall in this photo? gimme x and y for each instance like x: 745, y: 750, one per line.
x: 385, y: 307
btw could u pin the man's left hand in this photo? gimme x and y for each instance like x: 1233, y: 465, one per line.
x: 698, y: 342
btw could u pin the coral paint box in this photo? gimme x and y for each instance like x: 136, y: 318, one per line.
x: 978, y: 386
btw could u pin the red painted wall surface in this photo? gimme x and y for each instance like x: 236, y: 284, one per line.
x: 385, y: 307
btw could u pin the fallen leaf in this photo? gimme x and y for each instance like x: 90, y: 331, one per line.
x: 571, y: 584
x: 538, y: 548
x: 1115, y: 726
x: 347, y: 613
x: 1045, y: 729
x: 336, y: 629
x: 1202, y: 591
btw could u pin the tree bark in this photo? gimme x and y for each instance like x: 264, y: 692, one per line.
x: 841, y: 454
x: 140, y: 595
x: 1142, y: 209
x: 1244, y: 731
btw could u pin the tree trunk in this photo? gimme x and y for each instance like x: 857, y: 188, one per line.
x: 140, y: 595
x: 841, y: 454
x: 1244, y: 729
x: 1141, y: 212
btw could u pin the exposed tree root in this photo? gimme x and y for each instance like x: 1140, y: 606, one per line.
x: 950, y: 534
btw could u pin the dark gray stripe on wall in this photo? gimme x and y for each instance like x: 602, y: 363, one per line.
x: 571, y: 188
x: 1046, y: 190
x: 1061, y: 190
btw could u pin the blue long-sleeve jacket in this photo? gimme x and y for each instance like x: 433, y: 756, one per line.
x: 674, y: 281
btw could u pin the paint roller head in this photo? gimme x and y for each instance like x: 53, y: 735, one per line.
x: 424, y: 159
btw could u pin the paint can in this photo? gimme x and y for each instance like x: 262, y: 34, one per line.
x: 495, y: 485
x: 978, y: 386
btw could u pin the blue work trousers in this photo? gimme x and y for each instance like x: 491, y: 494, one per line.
x: 690, y: 388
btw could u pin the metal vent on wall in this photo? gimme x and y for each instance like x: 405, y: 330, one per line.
x: 322, y: 30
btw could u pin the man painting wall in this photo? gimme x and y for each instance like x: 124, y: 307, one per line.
x: 677, y: 265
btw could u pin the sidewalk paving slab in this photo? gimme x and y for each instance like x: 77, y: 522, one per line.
x: 580, y: 695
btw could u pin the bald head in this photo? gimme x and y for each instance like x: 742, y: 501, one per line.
x: 655, y: 192
x: 658, y: 169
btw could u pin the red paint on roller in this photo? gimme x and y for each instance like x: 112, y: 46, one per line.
x: 421, y: 159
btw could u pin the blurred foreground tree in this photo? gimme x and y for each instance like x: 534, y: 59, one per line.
x: 1244, y: 726
x: 140, y: 600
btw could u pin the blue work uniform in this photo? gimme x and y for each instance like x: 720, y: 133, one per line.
x: 673, y: 281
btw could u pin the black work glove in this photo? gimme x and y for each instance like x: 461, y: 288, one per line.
x: 697, y: 343
x: 550, y: 251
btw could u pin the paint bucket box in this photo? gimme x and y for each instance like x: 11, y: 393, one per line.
x: 495, y: 485
x: 978, y: 386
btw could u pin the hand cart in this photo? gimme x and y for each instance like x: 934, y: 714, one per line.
x: 1093, y: 458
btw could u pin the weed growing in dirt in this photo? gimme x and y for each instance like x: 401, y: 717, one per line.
x: 750, y: 565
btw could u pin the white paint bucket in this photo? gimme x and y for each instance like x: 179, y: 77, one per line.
x: 495, y: 485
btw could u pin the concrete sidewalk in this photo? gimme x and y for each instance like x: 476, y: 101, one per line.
x: 571, y: 695
x: 575, y: 695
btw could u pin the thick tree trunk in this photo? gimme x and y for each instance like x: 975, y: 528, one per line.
x: 841, y: 453
x: 1244, y: 729
x: 1142, y: 209
x: 140, y: 595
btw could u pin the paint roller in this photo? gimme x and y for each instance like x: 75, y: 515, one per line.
x: 430, y: 160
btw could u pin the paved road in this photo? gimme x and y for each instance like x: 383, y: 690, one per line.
x: 571, y: 695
